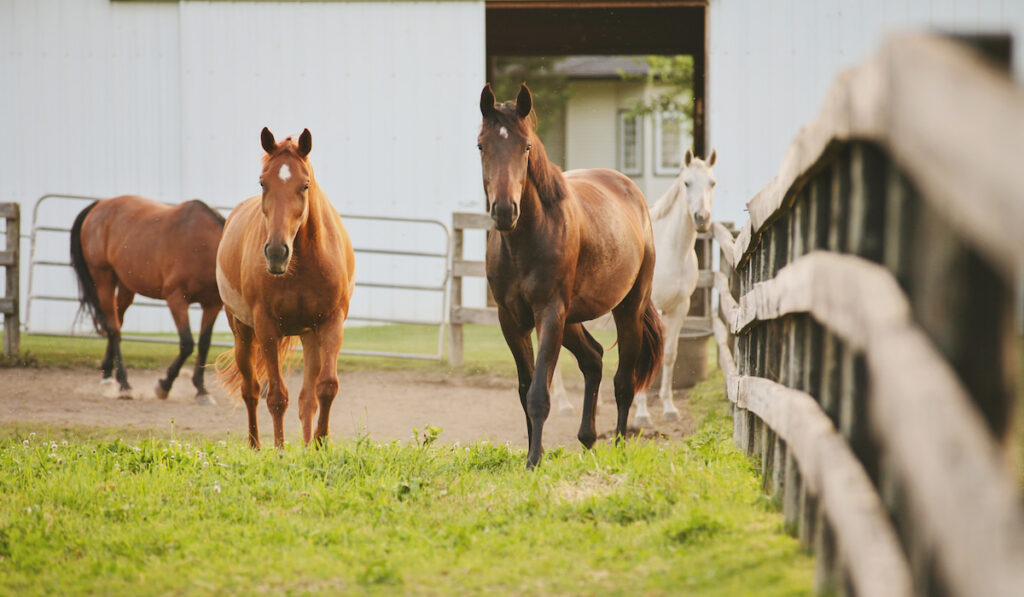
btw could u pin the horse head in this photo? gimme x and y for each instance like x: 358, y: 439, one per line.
x: 697, y: 182
x: 285, y: 179
x: 505, y: 140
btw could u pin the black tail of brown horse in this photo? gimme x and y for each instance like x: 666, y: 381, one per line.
x: 652, y: 347
x: 88, y: 298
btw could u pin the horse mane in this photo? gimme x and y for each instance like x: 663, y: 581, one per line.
x: 662, y: 206
x: 545, y: 175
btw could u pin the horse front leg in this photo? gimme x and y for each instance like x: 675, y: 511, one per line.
x: 307, y: 395
x: 521, y: 346
x: 210, y: 313
x: 674, y: 321
x: 550, y: 329
x: 330, y: 338
x: 269, y: 337
x: 249, y: 387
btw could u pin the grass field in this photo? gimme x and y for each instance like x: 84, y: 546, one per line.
x: 114, y: 512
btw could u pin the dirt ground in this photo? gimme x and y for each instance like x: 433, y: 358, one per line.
x: 385, y: 404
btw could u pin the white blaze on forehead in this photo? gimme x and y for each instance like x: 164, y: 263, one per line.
x: 285, y: 173
x: 503, y: 132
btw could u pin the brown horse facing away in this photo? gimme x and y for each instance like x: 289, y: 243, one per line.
x: 566, y: 248
x: 286, y: 268
x: 129, y: 245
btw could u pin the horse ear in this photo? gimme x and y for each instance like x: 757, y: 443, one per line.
x: 524, y: 101
x: 267, y: 139
x: 305, y: 143
x: 712, y: 157
x: 487, y: 101
x: 688, y: 157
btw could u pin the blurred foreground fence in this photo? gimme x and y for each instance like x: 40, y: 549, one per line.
x: 11, y: 214
x: 869, y: 305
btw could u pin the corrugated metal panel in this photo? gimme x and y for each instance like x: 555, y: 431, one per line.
x: 771, y: 63
x: 167, y: 100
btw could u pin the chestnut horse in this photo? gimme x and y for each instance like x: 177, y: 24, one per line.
x: 566, y: 248
x: 285, y: 268
x: 129, y: 245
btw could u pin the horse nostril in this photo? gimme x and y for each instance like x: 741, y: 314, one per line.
x: 266, y: 250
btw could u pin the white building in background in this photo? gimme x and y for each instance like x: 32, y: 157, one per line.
x: 166, y: 99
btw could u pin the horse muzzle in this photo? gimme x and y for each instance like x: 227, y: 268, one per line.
x: 505, y: 215
x: 702, y: 221
x: 278, y: 255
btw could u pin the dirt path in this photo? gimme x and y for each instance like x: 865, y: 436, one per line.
x: 386, y: 404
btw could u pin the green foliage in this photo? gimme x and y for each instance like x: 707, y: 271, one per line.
x: 549, y: 88
x: 677, y: 73
x: 81, y: 516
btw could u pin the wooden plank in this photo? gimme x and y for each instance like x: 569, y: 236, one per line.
x: 486, y: 316
x: 726, y: 242
x: 9, y: 210
x: 455, y: 335
x: 12, y: 320
x: 462, y: 268
x: 7, y: 306
x: 917, y: 401
x: 951, y: 149
x: 705, y: 278
x: 831, y: 473
x: 8, y: 258
x: 471, y: 221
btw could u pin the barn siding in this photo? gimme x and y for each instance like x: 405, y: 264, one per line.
x: 771, y: 63
x: 167, y: 100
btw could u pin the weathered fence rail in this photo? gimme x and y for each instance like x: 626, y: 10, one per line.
x: 869, y: 306
x: 11, y: 213
x: 700, y: 310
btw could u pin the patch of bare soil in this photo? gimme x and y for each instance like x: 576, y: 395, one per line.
x: 386, y: 405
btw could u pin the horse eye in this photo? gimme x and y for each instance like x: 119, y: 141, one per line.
x: 262, y: 184
x: 480, y: 146
x: 713, y: 183
x: 529, y: 146
x: 687, y: 183
x: 305, y: 187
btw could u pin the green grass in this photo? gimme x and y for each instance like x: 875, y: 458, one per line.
x: 166, y: 516
x: 112, y: 511
x: 485, y: 350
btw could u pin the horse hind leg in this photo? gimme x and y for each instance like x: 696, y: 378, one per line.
x: 210, y: 313
x: 179, y: 311
x: 588, y: 353
x: 113, y: 302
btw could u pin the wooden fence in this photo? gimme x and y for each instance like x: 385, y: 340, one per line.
x: 700, y: 309
x: 869, y: 306
x: 11, y: 213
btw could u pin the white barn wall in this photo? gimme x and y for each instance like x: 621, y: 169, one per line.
x: 167, y: 100
x: 770, y: 65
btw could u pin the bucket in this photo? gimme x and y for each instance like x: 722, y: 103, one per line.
x: 691, y: 359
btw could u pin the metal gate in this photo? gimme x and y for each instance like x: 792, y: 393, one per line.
x: 440, y: 254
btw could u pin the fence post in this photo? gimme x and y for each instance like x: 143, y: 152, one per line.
x: 9, y: 258
x: 455, y: 326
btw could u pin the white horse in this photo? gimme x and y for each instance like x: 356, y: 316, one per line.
x: 677, y: 217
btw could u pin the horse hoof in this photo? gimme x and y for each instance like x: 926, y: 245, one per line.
x: 108, y: 387
x: 642, y: 420
x: 205, y: 399
x: 672, y: 415
x: 125, y: 394
x: 160, y: 392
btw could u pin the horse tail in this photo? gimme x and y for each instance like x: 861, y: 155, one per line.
x: 88, y: 298
x: 230, y: 377
x: 652, y: 347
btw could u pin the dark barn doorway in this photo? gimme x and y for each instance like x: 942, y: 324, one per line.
x: 561, y: 28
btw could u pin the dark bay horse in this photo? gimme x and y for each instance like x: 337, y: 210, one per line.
x: 566, y: 248
x: 285, y: 268
x: 130, y: 245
